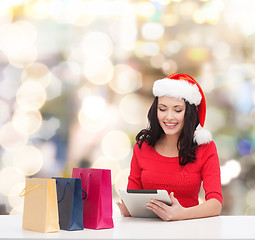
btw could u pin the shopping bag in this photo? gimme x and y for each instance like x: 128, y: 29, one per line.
x: 40, y: 205
x: 70, y: 210
x: 97, y: 207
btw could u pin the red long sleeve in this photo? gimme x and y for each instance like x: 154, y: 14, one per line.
x: 150, y: 170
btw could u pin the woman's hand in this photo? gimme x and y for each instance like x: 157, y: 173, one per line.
x: 166, y: 212
x: 123, y: 209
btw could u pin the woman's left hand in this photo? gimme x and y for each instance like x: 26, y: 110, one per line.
x: 166, y: 212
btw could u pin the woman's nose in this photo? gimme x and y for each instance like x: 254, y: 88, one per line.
x: 170, y: 115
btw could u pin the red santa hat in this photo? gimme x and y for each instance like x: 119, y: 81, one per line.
x: 185, y: 87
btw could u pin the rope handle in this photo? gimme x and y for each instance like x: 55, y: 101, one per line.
x: 64, y: 193
x: 24, y: 194
x: 85, y: 192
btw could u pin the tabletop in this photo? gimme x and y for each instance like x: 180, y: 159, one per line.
x: 220, y: 227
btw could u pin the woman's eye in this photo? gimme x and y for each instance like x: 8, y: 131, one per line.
x: 179, y: 110
x: 162, y: 109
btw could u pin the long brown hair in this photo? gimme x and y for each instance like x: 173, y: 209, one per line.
x: 185, y: 144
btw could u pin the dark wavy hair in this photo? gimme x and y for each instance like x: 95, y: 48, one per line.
x: 185, y: 144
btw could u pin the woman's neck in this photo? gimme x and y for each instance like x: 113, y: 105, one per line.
x: 167, y: 146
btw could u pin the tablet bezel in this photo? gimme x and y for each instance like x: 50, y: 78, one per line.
x: 135, y: 200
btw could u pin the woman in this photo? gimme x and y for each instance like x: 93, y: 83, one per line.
x: 176, y: 153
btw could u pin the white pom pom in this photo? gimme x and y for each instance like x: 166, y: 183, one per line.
x: 202, y: 136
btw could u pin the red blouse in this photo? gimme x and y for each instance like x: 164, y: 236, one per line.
x: 150, y: 170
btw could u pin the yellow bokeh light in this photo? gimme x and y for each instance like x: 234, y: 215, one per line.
x: 98, y: 70
x: 31, y: 95
x: 116, y: 145
x: 145, y: 9
x: 28, y: 160
x: 198, y: 54
x: 11, y: 139
x: 37, y: 72
x: 125, y: 79
x: 27, y: 122
x: 38, y: 9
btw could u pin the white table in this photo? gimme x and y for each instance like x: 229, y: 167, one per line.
x: 223, y: 227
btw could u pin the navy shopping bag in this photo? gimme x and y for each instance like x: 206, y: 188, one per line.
x: 70, y: 206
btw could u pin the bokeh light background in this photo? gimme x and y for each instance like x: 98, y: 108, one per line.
x: 76, y: 79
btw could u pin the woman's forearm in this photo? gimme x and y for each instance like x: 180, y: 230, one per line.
x: 209, y: 208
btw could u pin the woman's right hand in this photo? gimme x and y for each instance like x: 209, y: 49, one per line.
x: 123, y: 209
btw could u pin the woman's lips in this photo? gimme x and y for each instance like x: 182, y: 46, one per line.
x: 170, y: 125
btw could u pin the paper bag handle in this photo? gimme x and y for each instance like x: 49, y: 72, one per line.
x: 85, y: 192
x: 64, y: 193
x: 24, y: 194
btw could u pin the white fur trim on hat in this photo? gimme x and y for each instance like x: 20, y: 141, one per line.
x: 177, y: 88
x: 202, y: 136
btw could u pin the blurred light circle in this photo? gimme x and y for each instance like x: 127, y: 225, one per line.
x: 10, y: 138
x: 234, y: 168
x: 29, y: 160
x: 104, y: 163
x: 37, y: 72
x: 31, y: 95
x: 27, y: 122
x: 244, y: 147
x: 221, y: 50
x: 198, y: 54
x: 16, y: 36
x: 150, y: 48
x: 22, y: 56
x: 98, y: 70
x: 132, y: 109
x: 145, y: 9
x: 172, y: 47
x: 18, y: 210
x: 5, y: 111
x: 68, y: 71
x: 38, y: 9
x: 121, y: 180
x: 152, y: 31
x: 13, y: 198
x: 250, y: 198
x: 9, y: 177
x: 80, y: 14
x: 29, y: 30
x: 116, y: 145
x: 93, y: 106
x: 54, y: 90
x: 157, y: 61
x: 125, y: 79
x: 97, y: 44
x: 225, y: 175
x: 169, y: 20
x: 90, y: 124
x: 6, y: 14
x: 169, y: 66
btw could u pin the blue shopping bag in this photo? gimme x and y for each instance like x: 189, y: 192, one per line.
x: 70, y: 206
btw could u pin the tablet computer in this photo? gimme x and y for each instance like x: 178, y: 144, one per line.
x: 135, y: 200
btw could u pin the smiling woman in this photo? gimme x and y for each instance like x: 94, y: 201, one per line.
x: 176, y: 153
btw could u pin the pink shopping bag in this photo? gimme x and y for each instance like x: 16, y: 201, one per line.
x: 97, y: 207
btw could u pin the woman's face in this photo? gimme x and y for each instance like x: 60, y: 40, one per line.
x: 171, y: 113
